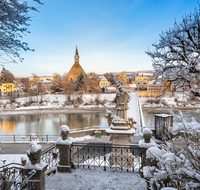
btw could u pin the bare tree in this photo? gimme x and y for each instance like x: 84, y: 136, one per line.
x: 57, y: 82
x: 14, y: 20
x: 110, y: 77
x: 36, y: 85
x: 92, y: 82
x: 6, y: 76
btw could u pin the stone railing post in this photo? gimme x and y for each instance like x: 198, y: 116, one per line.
x: 65, y: 164
x: 144, y: 144
x: 37, y: 181
x: 143, y: 159
x: 64, y: 145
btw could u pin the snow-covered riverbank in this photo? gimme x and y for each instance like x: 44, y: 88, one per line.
x: 59, y: 103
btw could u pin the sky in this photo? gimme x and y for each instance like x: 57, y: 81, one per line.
x: 111, y: 35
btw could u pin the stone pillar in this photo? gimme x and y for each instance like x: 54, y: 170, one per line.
x: 65, y: 164
x: 37, y: 181
x: 144, y: 144
x: 64, y: 145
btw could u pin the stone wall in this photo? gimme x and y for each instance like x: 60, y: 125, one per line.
x: 149, y: 93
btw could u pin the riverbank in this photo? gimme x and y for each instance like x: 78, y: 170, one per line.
x: 89, y: 110
x: 59, y: 103
x: 56, y: 110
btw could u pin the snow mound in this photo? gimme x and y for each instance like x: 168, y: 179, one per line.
x: 34, y: 149
x: 64, y: 128
x: 68, y: 141
x: 142, y: 144
x: 146, y: 131
x: 39, y: 166
x: 154, y: 152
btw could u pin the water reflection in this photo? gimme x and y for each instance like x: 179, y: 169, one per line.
x: 149, y: 119
x: 49, y: 123
x: 7, y: 125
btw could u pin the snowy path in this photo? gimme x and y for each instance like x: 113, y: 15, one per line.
x: 135, y: 112
x: 97, y: 180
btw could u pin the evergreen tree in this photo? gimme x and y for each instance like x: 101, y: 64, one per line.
x: 80, y: 82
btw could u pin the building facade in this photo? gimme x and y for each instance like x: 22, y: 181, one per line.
x: 123, y: 78
x: 154, y: 86
x: 104, y: 83
x: 7, y: 88
x: 142, y: 79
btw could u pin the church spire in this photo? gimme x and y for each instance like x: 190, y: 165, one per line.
x: 76, y: 53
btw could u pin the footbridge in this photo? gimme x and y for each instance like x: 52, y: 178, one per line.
x: 135, y: 112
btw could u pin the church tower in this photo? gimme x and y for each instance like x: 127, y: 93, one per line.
x: 76, y: 57
x: 76, y: 68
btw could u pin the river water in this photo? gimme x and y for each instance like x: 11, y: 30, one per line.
x: 49, y: 124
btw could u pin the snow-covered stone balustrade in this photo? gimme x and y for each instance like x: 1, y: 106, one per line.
x: 10, y: 175
x: 64, y: 145
x: 30, y: 174
x: 35, y: 166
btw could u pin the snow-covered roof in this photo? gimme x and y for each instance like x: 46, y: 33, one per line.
x: 133, y: 85
x: 154, y: 82
x: 111, y: 88
x: 145, y: 74
x: 46, y: 81
x: 101, y: 76
x: 104, y: 78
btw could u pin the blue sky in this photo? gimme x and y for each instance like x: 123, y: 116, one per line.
x: 111, y: 35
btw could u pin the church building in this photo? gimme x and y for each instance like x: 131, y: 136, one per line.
x: 76, y: 68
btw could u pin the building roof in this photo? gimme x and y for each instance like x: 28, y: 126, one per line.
x: 133, y: 85
x: 145, y: 74
x: 154, y: 82
x: 46, y: 81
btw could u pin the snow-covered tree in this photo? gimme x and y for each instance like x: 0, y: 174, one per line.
x: 14, y: 18
x: 176, y: 56
x: 110, y: 77
x: 6, y: 76
x: 92, y: 82
x: 79, y: 84
x: 177, y: 165
x: 57, y: 82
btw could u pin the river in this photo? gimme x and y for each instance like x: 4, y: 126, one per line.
x: 49, y: 124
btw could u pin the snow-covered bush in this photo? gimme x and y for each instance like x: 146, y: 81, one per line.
x: 177, y: 166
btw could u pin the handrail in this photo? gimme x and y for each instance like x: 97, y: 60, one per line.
x: 47, y: 149
x: 107, y: 145
x: 10, y: 164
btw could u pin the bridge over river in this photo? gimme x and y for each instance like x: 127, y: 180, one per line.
x: 135, y: 112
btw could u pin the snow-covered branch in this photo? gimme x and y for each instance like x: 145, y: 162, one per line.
x: 177, y: 55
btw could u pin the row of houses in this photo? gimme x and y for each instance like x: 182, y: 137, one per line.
x: 143, y: 81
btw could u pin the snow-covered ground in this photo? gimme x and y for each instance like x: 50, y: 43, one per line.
x: 10, y: 158
x: 98, y: 180
x: 86, y: 179
x: 54, y: 101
